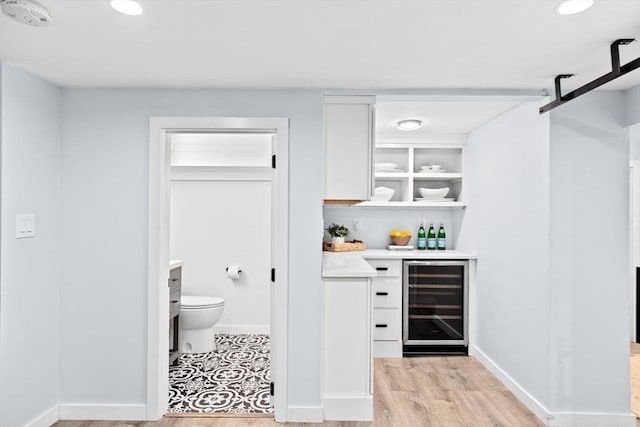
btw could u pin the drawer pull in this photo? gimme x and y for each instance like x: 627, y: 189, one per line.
x: 174, y: 280
x: 382, y: 268
x: 175, y: 301
x: 382, y: 293
x: 383, y: 325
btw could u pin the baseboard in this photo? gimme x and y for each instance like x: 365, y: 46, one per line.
x: 241, y: 329
x: 46, y: 419
x: 345, y: 408
x: 529, y: 401
x: 591, y: 420
x: 103, y: 412
x: 304, y: 414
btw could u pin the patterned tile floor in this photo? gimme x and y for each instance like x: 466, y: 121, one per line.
x: 232, y: 379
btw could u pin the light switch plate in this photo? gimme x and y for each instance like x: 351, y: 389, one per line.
x: 25, y: 226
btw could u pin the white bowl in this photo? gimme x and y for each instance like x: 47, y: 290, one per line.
x: 433, y: 193
x: 386, y: 166
x: 425, y: 168
x: 435, y: 168
x: 382, y: 194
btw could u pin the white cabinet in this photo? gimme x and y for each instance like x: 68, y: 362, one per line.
x: 408, y: 175
x: 348, y: 147
x: 387, y: 307
x: 347, y: 374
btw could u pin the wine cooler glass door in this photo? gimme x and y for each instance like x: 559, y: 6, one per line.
x: 435, y: 302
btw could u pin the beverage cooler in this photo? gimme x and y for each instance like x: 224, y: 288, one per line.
x: 435, y: 307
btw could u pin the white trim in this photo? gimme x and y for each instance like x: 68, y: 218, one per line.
x: 530, y: 402
x: 634, y: 241
x: 591, y: 420
x: 102, y: 412
x: 241, y: 329
x: 46, y: 419
x: 158, y: 255
x: 305, y: 414
x: 347, y: 408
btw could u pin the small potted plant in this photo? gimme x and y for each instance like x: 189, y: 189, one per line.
x: 338, y: 232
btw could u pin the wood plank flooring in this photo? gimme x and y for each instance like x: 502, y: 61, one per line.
x: 409, y: 392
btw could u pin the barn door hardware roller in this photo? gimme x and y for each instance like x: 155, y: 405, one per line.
x: 617, y: 70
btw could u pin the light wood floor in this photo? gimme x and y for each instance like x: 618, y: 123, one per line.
x: 409, y: 392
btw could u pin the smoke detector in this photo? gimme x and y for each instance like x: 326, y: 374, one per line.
x: 26, y: 11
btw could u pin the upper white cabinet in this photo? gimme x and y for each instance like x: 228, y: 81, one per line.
x: 348, y: 147
x: 404, y: 167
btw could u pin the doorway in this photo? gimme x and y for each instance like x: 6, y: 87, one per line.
x: 274, y: 171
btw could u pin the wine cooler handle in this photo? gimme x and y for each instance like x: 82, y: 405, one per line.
x: 381, y: 325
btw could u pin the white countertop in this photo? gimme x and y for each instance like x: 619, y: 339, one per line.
x: 353, y: 264
x: 346, y: 264
x: 415, y: 254
x: 175, y: 263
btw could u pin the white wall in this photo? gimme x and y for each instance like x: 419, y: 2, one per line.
x: 589, y: 250
x: 104, y: 245
x: 378, y: 222
x: 29, y: 279
x: 219, y: 223
x: 506, y: 224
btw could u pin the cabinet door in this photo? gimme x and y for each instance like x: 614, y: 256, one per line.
x: 348, y: 139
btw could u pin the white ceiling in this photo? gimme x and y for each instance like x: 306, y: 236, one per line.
x: 440, y: 117
x: 323, y: 44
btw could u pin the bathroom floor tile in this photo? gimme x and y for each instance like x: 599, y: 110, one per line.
x: 232, y: 379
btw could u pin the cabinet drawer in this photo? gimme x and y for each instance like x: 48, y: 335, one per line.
x: 387, y: 292
x: 387, y: 324
x: 175, y: 278
x: 387, y: 267
x: 174, y: 303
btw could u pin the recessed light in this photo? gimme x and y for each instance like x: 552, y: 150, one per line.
x: 128, y: 7
x: 410, y: 124
x: 570, y: 7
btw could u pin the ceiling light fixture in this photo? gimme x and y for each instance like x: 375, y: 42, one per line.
x: 410, y: 124
x: 27, y: 12
x: 128, y: 7
x: 570, y: 7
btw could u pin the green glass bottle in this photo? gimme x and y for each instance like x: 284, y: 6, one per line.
x: 431, y: 238
x: 422, y: 238
x: 442, y: 238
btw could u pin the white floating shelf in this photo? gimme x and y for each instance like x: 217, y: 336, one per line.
x: 445, y: 176
x: 412, y: 204
x: 391, y: 175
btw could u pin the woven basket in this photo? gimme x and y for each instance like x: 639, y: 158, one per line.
x: 343, y: 247
x: 400, y: 240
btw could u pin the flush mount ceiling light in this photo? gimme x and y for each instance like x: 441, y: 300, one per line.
x: 27, y: 12
x: 128, y: 7
x: 570, y: 7
x: 410, y: 124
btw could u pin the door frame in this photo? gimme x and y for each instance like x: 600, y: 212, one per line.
x: 158, y: 252
x: 634, y: 215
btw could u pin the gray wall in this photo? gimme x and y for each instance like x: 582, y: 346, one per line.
x: 29, y: 279
x: 632, y: 106
x: 104, y: 228
x: 589, y: 250
x: 506, y: 225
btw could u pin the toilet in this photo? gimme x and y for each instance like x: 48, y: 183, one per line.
x: 198, y: 315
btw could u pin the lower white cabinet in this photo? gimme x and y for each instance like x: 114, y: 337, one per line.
x: 387, y: 307
x: 347, y: 374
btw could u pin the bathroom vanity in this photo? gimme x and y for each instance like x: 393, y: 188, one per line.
x: 175, y: 291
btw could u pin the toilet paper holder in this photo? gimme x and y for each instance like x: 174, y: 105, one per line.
x: 227, y: 269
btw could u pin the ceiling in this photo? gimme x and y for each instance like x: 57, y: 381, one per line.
x: 356, y: 44
x: 439, y: 117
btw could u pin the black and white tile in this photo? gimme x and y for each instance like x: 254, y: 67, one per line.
x: 232, y: 379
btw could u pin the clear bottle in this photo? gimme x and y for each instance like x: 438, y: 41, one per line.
x: 431, y: 238
x: 422, y: 238
x: 442, y: 238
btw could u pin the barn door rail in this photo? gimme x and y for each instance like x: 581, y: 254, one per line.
x: 617, y: 70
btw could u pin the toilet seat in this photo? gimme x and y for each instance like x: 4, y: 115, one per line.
x: 200, y: 302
